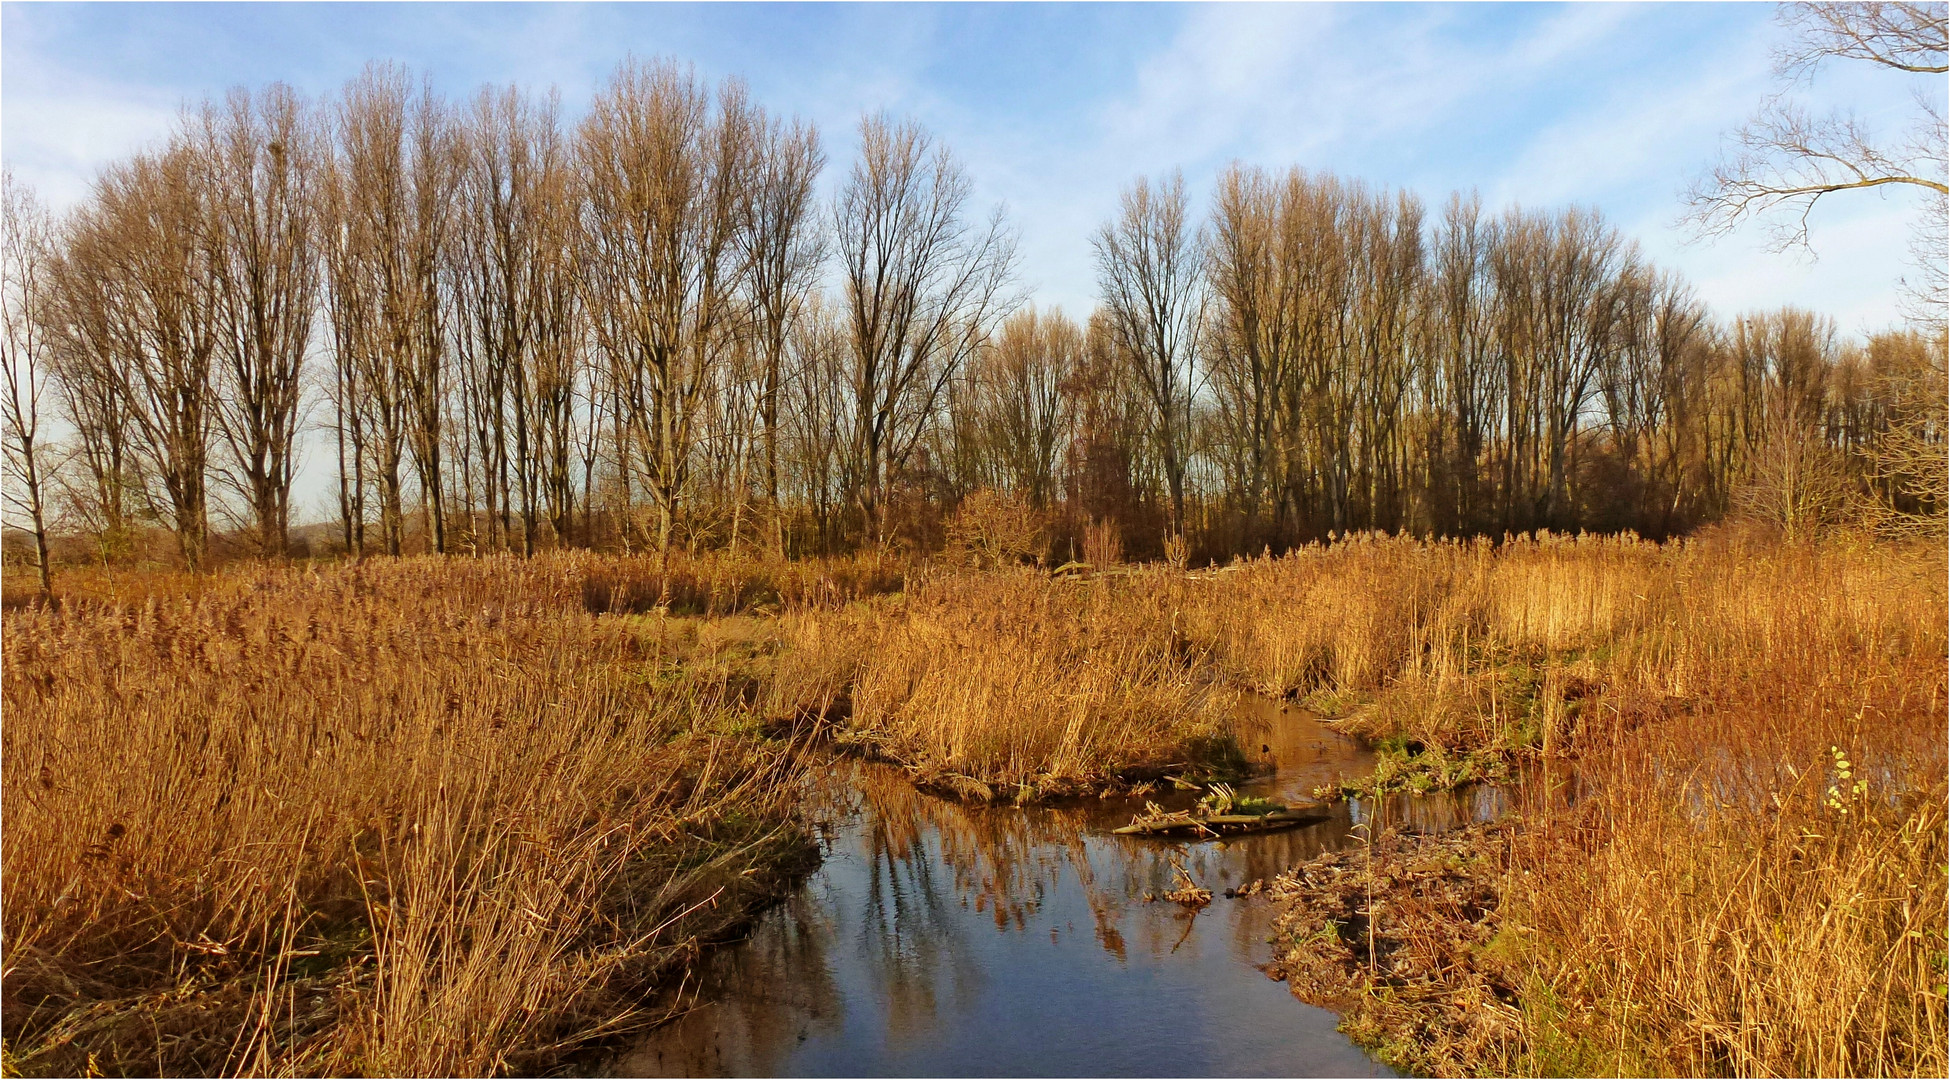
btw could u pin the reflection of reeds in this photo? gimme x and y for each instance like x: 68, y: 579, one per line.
x: 1002, y: 861
x: 418, y: 817
x: 1184, y: 890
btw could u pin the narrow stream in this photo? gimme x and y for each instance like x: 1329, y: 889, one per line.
x: 940, y: 939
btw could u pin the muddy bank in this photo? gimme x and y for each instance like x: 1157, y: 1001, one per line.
x: 1405, y: 937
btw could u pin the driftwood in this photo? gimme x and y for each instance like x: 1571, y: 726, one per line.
x: 1216, y: 824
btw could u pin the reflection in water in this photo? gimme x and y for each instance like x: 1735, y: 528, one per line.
x: 941, y: 939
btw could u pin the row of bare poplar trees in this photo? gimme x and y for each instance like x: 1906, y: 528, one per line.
x: 1324, y: 357
x: 649, y: 328
x: 522, y: 327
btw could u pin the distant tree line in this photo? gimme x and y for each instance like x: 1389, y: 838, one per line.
x: 649, y: 330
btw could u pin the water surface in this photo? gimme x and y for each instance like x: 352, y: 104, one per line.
x: 940, y: 939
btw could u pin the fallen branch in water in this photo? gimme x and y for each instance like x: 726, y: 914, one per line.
x: 1155, y: 820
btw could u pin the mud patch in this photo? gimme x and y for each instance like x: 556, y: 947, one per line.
x: 1405, y: 939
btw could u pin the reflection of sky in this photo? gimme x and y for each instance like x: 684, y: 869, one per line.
x: 940, y: 939
x: 925, y: 982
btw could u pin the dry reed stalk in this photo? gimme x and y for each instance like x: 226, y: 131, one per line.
x: 1750, y: 880
x: 415, y: 817
x: 1010, y: 684
x: 1758, y: 732
x: 709, y: 583
x: 1759, y: 888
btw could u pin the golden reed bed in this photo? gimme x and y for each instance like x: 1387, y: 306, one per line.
x: 458, y: 815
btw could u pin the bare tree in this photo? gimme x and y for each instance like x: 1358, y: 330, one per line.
x: 140, y: 296
x: 1796, y: 482
x: 434, y: 154
x: 1907, y: 456
x: 556, y: 362
x: 1461, y: 383
x: 663, y: 168
x: 261, y: 157
x: 368, y: 287
x: 923, y: 288
x: 1251, y: 354
x: 1153, y: 290
x: 390, y: 200
x: 785, y: 249
x: 515, y: 308
x: 815, y: 419
x: 1556, y: 284
x: 1388, y: 281
x: 632, y: 317
x: 1022, y: 400
x: 1653, y: 384
x: 100, y: 497
x: 1111, y: 476
x: 1779, y: 463
x: 1786, y: 160
x: 354, y: 347
x: 1906, y: 36
x: 25, y: 250
x: 729, y: 445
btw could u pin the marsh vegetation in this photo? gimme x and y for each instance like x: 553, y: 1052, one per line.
x: 466, y: 816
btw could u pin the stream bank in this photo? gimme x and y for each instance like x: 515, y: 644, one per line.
x: 1406, y: 938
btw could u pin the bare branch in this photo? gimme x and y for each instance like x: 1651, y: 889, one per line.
x: 1906, y: 37
x: 1784, y: 161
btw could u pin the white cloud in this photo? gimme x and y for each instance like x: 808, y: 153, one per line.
x: 1321, y: 86
x: 1633, y: 151
x: 59, y: 131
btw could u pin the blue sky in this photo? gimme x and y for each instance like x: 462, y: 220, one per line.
x: 1053, y: 107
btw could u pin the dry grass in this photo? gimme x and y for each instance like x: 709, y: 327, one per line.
x: 1355, y: 623
x: 708, y: 584
x: 1010, y: 684
x: 1759, y: 889
x: 438, y: 817
x: 1744, y: 871
x: 425, y: 817
x: 717, y: 584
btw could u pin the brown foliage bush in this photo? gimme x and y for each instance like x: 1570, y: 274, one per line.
x: 992, y: 529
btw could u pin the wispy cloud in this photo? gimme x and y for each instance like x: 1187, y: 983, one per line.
x: 59, y: 125
x: 1054, y: 107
